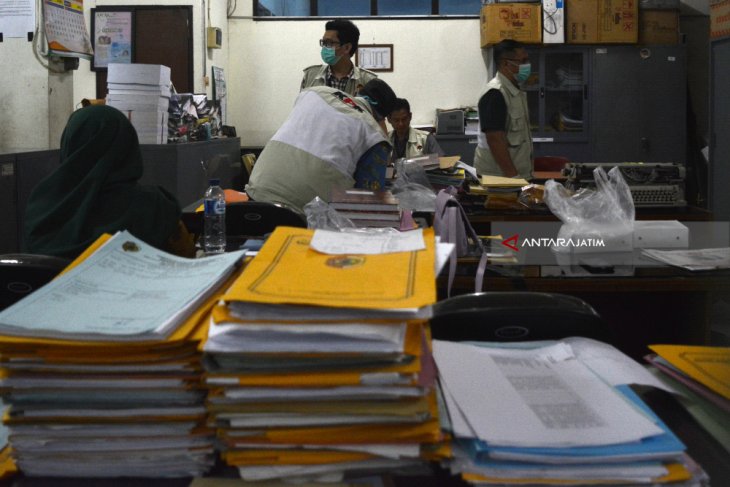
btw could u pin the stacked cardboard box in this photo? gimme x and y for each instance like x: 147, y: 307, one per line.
x: 602, y: 22
x: 658, y: 26
x: 719, y: 18
x: 519, y: 21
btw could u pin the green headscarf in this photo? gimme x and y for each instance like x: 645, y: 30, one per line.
x: 95, y: 189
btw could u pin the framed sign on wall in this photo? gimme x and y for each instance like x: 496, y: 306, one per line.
x: 112, y: 37
x: 375, y: 57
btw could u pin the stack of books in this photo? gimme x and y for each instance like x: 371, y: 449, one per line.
x: 142, y: 92
x: 701, y: 375
x: 319, y: 364
x: 367, y: 208
x: 101, y: 368
x: 556, y: 413
x: 501, y: 192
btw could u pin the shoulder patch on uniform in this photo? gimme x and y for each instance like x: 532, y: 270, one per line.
x: 347, y: 100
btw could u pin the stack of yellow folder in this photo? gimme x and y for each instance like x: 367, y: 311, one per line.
x: 320, y: 365
x: 701, y: 377
x: 89, y: 401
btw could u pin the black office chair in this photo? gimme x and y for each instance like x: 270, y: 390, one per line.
x: 256, y: 218
x: 21, y: 274
x: 516, y: 317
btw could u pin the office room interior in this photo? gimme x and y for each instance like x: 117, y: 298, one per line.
x: 437, y: 64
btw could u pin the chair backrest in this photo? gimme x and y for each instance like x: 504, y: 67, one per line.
x: 256, y: 218
x: 516, y: 316
x: 21, y: 274
x: 248, y: 162
x: 550, y: 163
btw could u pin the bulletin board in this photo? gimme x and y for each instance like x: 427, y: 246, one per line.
x: 112, y: 35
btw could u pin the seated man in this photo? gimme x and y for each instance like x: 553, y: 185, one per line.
x: 406, y: 141
x: 330, y: 140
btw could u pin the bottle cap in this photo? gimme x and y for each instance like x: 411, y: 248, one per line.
x: 214, y: 182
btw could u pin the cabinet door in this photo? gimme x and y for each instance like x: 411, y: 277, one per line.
x: 720, y: 128
x: 563, y: 93
x: 637, y: 98
x: 556, y: 94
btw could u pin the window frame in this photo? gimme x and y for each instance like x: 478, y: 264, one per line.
x: 313, y: 9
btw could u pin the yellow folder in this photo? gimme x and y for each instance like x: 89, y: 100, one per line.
x: 676, y: 472
x: 428, y: 431
x: 286, y: 270
x: 292, y: 457
x: 710, y: 366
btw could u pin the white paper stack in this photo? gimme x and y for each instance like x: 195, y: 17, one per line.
x: 101, y: 370
x: 142, y: 92
x: 313, y: 375
x: 553, y: 413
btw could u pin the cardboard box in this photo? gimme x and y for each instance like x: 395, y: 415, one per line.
x: 659, y: 4
x: 602, y: 22
x: 658, y: 27
x: 519, y: 21
x: 719, y: 19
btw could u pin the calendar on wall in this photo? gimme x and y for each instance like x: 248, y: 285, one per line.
x: 65, y: 28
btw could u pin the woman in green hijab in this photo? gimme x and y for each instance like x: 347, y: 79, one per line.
x: 95, y: 190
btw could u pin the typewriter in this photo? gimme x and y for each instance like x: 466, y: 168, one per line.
x: 652, y: 184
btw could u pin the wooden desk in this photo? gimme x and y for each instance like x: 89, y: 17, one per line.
x: 656, y: 305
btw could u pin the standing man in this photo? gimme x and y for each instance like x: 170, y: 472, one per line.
x: 339, y: 44
x: 504, y: 145
x: 330, y: 140
x: 406, y: 141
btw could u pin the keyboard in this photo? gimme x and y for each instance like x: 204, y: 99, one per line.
x: 671, y: 195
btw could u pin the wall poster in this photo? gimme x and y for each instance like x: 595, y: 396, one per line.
x: 112, y: 37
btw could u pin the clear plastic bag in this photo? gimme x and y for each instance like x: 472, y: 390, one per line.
x: 412, y: 188
x: 606, y: 212
x: 321, y: 216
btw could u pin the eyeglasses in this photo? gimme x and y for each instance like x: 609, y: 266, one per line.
x: 328, y: 43
x: 517, y: 62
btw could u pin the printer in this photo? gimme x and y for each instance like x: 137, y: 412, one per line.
x: 450, y: 122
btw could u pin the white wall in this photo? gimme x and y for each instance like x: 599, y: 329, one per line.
x: 437, y: 64
x: 23, y: 98
x: 28, y: 97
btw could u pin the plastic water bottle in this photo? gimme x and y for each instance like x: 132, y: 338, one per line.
x: 214, y: 230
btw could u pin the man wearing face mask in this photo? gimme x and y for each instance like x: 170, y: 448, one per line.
x: 504, y: 145
x: 338, y: 45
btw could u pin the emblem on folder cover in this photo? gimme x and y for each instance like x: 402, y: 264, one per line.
x: 345, y: 261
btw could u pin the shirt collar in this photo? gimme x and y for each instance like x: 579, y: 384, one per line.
x: 329, y: 73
